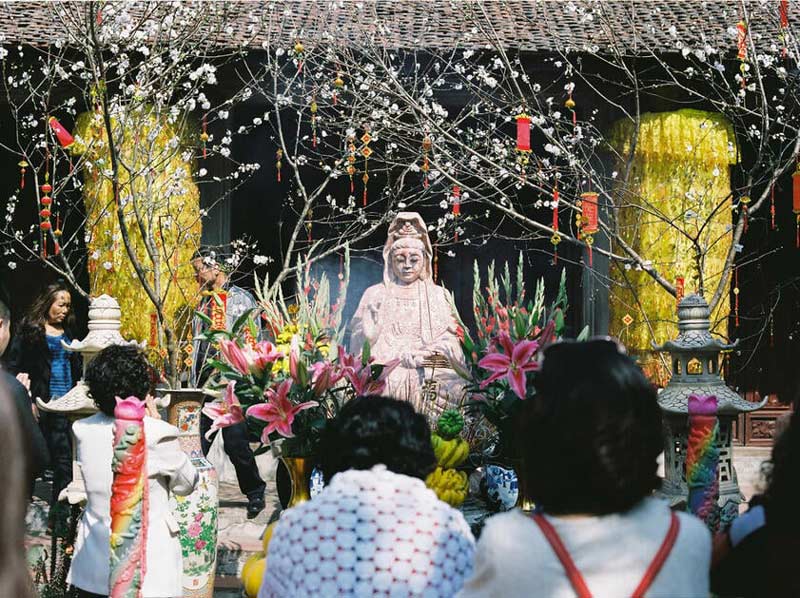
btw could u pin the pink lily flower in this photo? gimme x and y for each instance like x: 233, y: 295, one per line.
x: 513, y: 363
x: 294, y: 357
x: 363, y: 383
x: 235, y: 356
x: 323, y: 376
x: 260, y: 357
x: 225, y: 412
x: 279, y: 412
x: 347, y: 361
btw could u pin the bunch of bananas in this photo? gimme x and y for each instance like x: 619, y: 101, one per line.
x: 451, y: 451
x: 449, y: 485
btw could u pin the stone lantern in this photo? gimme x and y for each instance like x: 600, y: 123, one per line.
x: 695, y: 355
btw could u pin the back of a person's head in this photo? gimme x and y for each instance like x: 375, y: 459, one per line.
x: 377, y: 430
x: 591, y: 434
x: 14, y: 576
x: 118, y: 371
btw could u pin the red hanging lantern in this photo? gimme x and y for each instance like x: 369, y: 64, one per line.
x: 588, y: 220
x: 796, y: 202
x: 784, y: 12
x: 556, y: 238
x: 22, y: 166
x: 741, y: 45
x: 65, y: 139
x: 680, y: 288
x: 523, y: 133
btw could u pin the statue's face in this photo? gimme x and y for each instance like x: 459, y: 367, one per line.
x: 407, y: 264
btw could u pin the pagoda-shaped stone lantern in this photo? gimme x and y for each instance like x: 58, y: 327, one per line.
x: 104, y: 325
x: 695, y: 355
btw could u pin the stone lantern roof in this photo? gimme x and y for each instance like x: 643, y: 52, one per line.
x: 695, y: 360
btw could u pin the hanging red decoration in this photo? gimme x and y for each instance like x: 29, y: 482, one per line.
x: 204, y: 135
x: 741, y: 45
x: 784, y: 12
x: 745, y: 202
x: 556, y: 238
x: 427, y: 144
x: 772, y: 207
x: 338, y: 83
x: 523, y: 140
x: 456, y: 209
x: 219, y: 304
x: 680, y: 288
x: 587, y: 220
x: 366, y: 151
x: 65, y: 139
x: 435, y: 263
x: 278, y: 163
x: 796, y: 202
x: 309, y: 224
x: 22, y: 166
x: 314, y: 109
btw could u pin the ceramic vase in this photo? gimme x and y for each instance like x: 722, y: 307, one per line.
x: 300, y: 469
x: 196, y: 513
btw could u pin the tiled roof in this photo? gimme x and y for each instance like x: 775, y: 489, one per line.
x: 534, y: 25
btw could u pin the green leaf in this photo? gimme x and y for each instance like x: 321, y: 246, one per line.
x: 203, y: 317
x: 240, y: 321
x: 365, y: 353
x: 584, y: 335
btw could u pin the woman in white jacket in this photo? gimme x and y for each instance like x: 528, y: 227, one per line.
x: 122, y: 371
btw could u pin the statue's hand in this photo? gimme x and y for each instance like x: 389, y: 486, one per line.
x: 412, y: 359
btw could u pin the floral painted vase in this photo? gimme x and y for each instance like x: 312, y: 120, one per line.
x: 196, y: 513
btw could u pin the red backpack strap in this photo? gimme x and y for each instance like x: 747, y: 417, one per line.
x: 575, y: 577
x: 660, y: 558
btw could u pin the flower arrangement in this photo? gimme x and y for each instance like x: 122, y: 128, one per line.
x: 510, y: 332
x: 290, y: 386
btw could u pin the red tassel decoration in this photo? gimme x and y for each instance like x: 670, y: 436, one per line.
x: 784, y: 12
x: 588, y: 220
x: 426, y: 147
x: 57, y: 234
x: 680, y: 288
x: 772, y: 207
x: 153, y: 329
x: 745, y: 201
x: 338, y: 83
x: 279, y: 164
x: 570, y: 105
x: 366, y: 151
x: 22, y: 166
x: 741, y: 45
x: 435, y: 264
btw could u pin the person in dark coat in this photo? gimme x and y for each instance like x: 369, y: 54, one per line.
x: 36, y: 453
x: 37, y: 351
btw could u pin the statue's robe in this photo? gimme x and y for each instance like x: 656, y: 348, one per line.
x: 417, y: 319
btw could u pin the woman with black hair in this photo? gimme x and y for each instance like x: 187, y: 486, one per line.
x: 37, y: 351
x: 375, y: 529
x: 765, y: 539
x: 589, y: 441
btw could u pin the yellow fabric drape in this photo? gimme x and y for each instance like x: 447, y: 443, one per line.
x: 680, y: 179
x: 156, y: 178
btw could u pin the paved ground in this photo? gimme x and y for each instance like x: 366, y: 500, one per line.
x: 240, y: 537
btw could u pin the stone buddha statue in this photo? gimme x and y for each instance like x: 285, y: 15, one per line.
x: 408, y: 316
